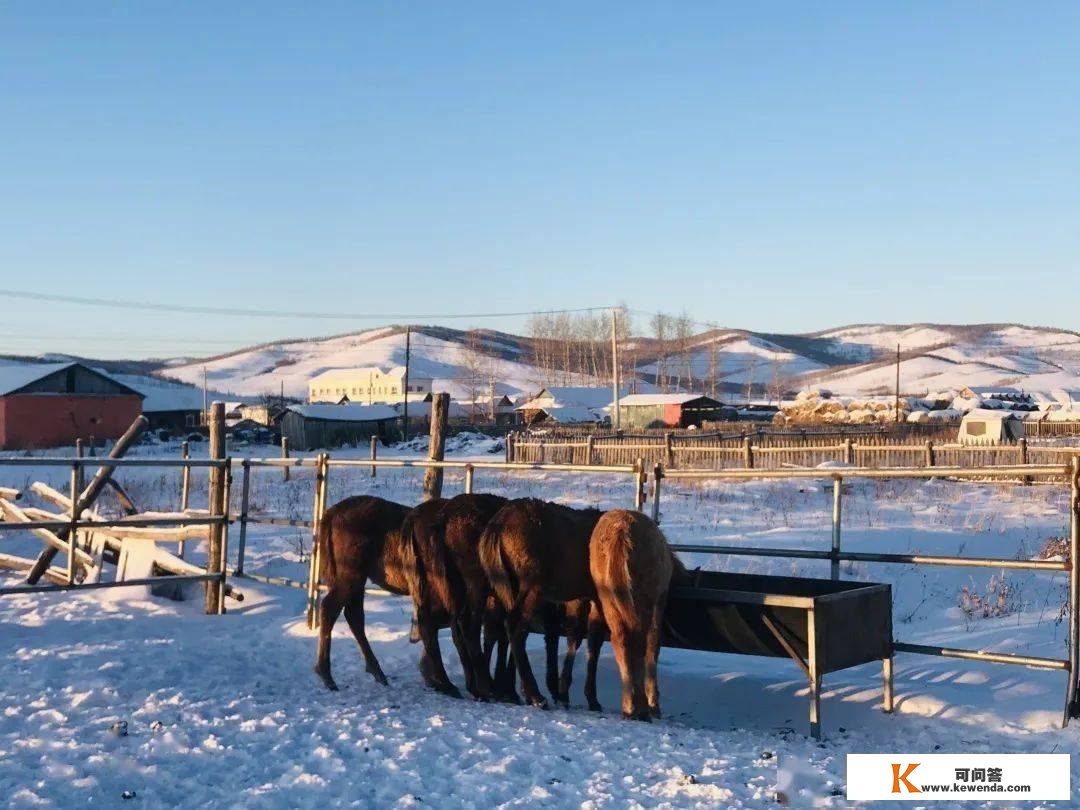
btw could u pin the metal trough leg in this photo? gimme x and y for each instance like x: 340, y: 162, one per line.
x: 887, y: 696
x: 814, y: 676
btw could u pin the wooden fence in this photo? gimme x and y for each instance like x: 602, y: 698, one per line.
x: 772, y: 452
x: 1051, y: 430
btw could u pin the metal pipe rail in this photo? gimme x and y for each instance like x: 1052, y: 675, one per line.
x: 1012, y: 471
x: 104, y: 525
x: 854, y: 556
x: 89, y: 461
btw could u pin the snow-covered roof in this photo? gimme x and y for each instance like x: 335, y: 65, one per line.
x: 564, y: 396
x: 162, y: 396
x: 994, y: 390
x: 658, y: 399
x: 14, y: 376
x: 573, y: 414
x: 17, y: 375
x: 989, y: 415
x: 328, y: 412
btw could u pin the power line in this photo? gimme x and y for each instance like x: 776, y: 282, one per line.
x: 270, y: 313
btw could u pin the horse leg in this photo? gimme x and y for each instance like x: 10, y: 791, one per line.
x: 637, y: 671
x: 517, y: 627
x: 552, y: 622
x: 596, y: 632
x: 457, y: 633
x: 652, y: 655
x: 329, y: 610
x: 478, y: 662
x: 620, y: 645
x: 354, y: 615
x: 431, y: 663
x: 577, y: 615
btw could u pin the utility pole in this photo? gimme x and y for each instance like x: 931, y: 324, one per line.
x: 615, y: 366
x: 896, y: 404
x: 405, y: 385
x: 205, y: 404
x: 492, y: 388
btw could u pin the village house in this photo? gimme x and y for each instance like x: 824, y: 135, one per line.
x: 641, y: 411
x: 319, y: 425
x: 566, y: 405
x: 367, y: 386
x: 53, y: 404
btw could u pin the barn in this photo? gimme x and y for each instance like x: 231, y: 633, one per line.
x: 53, y: 404
x: 640, y: 411
x: 326, y: 425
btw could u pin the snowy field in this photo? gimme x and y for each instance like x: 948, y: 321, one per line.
x: 226, y: 711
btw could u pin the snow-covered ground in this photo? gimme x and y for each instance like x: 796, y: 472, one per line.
x: 226, y: 711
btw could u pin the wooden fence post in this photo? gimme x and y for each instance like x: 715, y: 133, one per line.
x: 748, y: 452
x: 314, y: 561
x: 640, y: 477
x: 284, y: 454
x: 589, y: 449
x: 930, y: 455
x: 217, y: 504
x: 669, y: 450
x: 540, y: 451
x: 849, y: 452
x: 837, y: 513
x: 433, y: 477
x: 510, y: 447
x: 374, y: 453
x: 658, y: 473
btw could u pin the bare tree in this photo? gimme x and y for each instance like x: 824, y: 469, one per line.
x: 684, y: 346
x: 661, y: 329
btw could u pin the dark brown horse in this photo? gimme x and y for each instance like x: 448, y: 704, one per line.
x: 359, y: 539
x: 536, y: 553
x: 632, y: 568
x: 448, y: 584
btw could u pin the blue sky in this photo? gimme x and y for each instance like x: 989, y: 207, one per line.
x: 780, y: 167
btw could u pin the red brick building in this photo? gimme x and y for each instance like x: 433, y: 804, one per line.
x: 52, y: 404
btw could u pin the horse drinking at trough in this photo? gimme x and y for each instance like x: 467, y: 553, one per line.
x: 448, y: 584
x: 359, y: 539
x: 536, y: 554
x: 632, y: 568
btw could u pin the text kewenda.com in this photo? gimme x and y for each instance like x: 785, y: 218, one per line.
x: 961, y: 788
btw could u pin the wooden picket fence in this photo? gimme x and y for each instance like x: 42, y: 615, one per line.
x: 772, y: 452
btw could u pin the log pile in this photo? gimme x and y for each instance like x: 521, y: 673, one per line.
x: 108, y: 545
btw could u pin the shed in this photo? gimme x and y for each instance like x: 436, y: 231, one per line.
x: 990, y: 427
x: 168, y: 406
x: 53, y: 404
x: 327, y: 425
x: 640, y: 411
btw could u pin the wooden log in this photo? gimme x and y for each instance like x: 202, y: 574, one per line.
x: 14, y: 514
x: 88, y: 496
x: 433, y: 477
x: 284, y: 454
x: 9, y: 562
x: 10, y: 493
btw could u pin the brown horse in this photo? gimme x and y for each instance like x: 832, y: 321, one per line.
x: 632, y: 568
x: 359, y: 539
x: 533, y: 553
x: 448, y: 584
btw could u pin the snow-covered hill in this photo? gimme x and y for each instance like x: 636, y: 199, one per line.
x: 854, y: 360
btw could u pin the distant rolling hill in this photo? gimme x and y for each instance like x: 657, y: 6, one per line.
x: 857, y: 359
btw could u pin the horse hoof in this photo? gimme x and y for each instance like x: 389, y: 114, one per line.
x: 654, y: 712
x: 328, y: 681
x: 380, y: 678
x: 449, y: 690
x: 539, y: 702
x: 595, y: 707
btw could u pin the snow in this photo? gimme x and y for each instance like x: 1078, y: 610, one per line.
x: 14, y: 376
x: 344, y: 413
x: 226, y: 711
